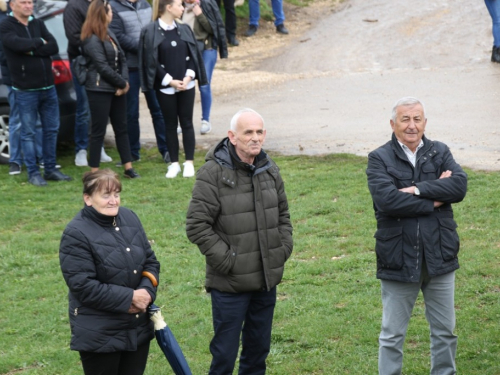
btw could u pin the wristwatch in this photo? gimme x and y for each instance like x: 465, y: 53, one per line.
x: 417, y: 191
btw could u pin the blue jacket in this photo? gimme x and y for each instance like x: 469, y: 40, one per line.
x: 409, y: 228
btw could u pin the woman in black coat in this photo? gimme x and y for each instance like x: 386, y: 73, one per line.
x: 112, y: 274
x: 106, y: 85
x: 169, y: 62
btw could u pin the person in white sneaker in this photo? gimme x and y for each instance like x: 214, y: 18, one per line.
x: 170, y: 68
x: 204, y: 18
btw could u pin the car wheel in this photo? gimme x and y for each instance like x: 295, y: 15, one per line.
x: 4, y: 134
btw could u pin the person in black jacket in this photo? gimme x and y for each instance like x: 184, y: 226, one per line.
x: 204, y: 18
x: 413, y: 182
x: 106, y: 85
x: 112, y: 275
x: 169, y: 61
x: 28, y: 47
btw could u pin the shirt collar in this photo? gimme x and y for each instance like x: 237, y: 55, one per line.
x: 165, y: 26
x: 407, y: 149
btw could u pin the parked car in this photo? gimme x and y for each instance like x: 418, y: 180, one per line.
x: 51, y: 12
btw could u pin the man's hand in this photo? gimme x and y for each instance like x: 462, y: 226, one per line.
x: 445, y: 174
x: 140, y: 301
x: 411, y: 189
x: 197, y: 9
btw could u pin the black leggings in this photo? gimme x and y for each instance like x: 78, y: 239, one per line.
x: 178, y: 106
x: 104, y: 105
x: 116, y: 363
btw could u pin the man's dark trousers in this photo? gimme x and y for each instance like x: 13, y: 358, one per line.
x: 231, y: 311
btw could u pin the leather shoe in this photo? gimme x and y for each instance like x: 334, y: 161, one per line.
x: 131, y: 173
x: 37, y: 180
x: 281, y: 29
x: 252, y: 29
x: 495, y: 55
x: 233, y: 41
x: 57, y: 175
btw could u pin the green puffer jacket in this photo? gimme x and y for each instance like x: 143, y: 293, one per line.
x: 239, y: 218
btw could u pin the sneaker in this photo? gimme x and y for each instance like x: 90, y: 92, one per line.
x: 179, y: 130
x: 166, y: 157
x: 119, y: 164
x: 57, y: 176
x: 173, y: 170
x: 206, y: 127
x: 131, y: 173
x: 14, y: 168
x: 37, y: 180
x: 281, y: 29
x: 81, y: 159
x: 105, y: 158
x: 188, y: 170
x: 42, y: 165
x: 252, y: 29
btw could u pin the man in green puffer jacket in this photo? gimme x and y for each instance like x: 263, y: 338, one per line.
x: 239, y: 218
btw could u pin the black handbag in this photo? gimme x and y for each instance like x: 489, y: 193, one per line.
x: 80, y: 69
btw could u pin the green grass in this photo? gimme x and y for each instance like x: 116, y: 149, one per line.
x: 328, y: 312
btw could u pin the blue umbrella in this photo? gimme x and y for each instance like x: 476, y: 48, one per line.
x: 167, y: 342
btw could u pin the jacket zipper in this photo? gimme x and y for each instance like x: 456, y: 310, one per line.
x: 75, y: 313
x: 98, y: 79
x: 418, y: 243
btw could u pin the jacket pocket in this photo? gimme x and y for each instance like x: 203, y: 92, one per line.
x: 448, y: 238
x: 389, y: 247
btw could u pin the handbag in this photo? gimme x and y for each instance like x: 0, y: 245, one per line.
x: 80, y: 69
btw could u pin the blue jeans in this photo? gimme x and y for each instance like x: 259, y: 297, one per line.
x: 249, y: 315
x: 398, y: 300
x: 82, y: 115
x: 30, y: 105
x: 254, y: 8
x: 209, y: 59
x: 494, y: 9
x: 134, y: 130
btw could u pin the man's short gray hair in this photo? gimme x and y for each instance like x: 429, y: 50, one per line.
x: 407, y: 100
x: 236, y: 117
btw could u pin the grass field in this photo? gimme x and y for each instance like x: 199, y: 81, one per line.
x: 328, y: 312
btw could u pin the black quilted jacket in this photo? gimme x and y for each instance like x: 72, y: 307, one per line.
x: 102, y: 265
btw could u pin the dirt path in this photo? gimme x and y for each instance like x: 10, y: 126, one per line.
x: 330, y: 85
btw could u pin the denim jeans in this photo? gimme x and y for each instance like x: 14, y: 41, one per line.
x: 31, y: 104
x: 209, y: 59
x: 249, y: 315
x: 82, y: 115
x: 254, y: 8
x: 134, y: 130
x: 494, y: 9
x: 398, y: 300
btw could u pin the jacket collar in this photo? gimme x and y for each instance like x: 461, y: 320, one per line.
x: 225, y: 155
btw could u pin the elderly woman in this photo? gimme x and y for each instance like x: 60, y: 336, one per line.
x: 169, y: 62
x: 112, y: 274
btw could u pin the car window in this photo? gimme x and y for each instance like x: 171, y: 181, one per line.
x: 56, y: 27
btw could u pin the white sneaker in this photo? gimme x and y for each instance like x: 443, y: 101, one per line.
x: 205, y: 127
x: 179, y: 130
x: 173, y: 170
x: 81, y: 159
x: 188, y: 170
x: 105, y: 158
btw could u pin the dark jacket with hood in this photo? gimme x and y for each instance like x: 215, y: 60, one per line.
x: 102, y: 260
x: 128, y: 21
x: 238, y: 216
x: 28, y: 51
x: 151, y: 38
x: 409, y: 229
x: 105, y: 72
x: 73, y: 18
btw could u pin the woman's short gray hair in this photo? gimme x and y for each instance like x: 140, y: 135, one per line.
x: 407, y: 100
x: 236, y: 117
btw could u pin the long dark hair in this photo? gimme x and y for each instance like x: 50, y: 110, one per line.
x: 97, y: 20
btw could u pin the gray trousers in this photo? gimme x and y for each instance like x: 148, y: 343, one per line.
x: 398, y: 300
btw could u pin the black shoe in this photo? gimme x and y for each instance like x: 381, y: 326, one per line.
x: 495, y: 55
x: 281, y: 29
x: 14, y: 168
x: 233, y: 41
x: 252, y: 29
x: 130, y: 173
x: 37, y: 180
x: 166, y: 157
x: 57, y: 175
